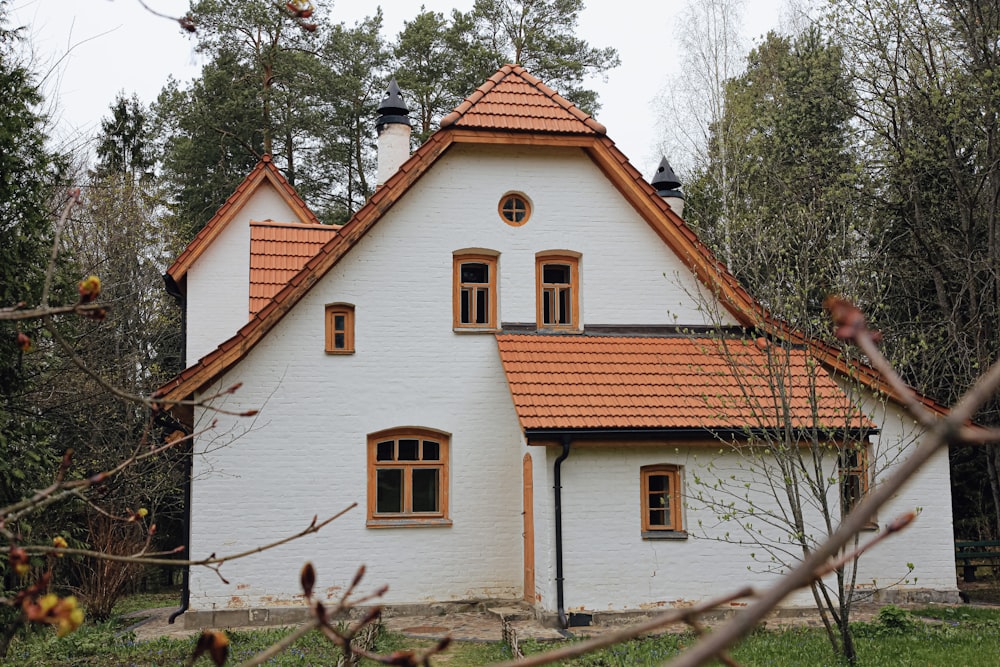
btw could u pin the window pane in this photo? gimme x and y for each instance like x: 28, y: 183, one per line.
x: 339, y: 342
x: 658, y: 483
x: 384, y: 451
x: 482, y: 306
x: 408, y: 450
x: 555, y: 274
x: 657, y: 518
x: 389, y: 491
x: 425, y: 490
x: 466, y: 309
x: 474, y: 272
x: 564, y: 307
x: 432, y: 451
x: 547, y: 307
x: 338, y: 322
x: 852, y: 491
x: 850, y: 459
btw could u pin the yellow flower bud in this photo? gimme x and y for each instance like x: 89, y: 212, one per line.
x: 47, y: 602
x: 142, y: 512
x: 89, y: 288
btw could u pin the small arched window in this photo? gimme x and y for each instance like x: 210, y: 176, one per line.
x: 340, y: 328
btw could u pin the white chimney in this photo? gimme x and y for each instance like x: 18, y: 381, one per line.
x: 668, y: 186
x: 393, y: 128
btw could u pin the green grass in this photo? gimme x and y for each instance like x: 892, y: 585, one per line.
x: 925, y: 637
x: 141, y: 601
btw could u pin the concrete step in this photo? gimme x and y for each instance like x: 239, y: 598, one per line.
x: 513, y: 612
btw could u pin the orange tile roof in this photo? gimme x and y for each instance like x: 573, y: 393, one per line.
x: 265, y: 171
x: 279, y: 250
x: 631, y: 382
x: 514, y: 100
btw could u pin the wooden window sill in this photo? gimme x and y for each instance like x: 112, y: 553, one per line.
x: 408, y: 523
x: 664, y: 535
x: 339, y: 352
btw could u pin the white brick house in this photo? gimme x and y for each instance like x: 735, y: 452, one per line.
x: 515, y: 303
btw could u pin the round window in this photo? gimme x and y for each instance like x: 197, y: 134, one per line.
x: 515, y: 209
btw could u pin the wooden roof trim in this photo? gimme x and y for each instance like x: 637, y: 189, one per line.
x: 214, y: 364
x: 295, y: 225
x: 263, y: 171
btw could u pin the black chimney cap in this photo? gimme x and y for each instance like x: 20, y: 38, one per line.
x: 393, y: 108
x: 665, y: 178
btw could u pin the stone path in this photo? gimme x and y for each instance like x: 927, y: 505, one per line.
x: 464, y: 626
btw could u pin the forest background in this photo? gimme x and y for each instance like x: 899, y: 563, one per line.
x: 855, y: 152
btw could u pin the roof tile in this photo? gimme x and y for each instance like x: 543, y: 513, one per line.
x: 514, y: 100
x: 278, y: 251
x: 611, y: 382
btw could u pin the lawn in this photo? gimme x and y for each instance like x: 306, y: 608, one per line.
x: 927, y: 636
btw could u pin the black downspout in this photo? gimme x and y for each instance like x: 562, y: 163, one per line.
x: 174, y: 291
x: 557, y: 486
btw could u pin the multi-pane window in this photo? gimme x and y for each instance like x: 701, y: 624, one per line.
x: 514, y: 208
x: 475, y: 292
x: 339, y: 328
x: 558, y: 292
x: 407, y: 477
x: 661, y: 498
x: 853, y: 464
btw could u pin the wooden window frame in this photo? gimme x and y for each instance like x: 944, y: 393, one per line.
x: 859, y: 469
x: 459, y: 290
x: 541, y: 288
x: 675, y: 529
x: 513, y: 204
x: 408, y: 518
x: 333, y: 310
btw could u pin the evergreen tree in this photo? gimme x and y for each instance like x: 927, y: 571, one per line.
x: 30, y: 176
x: 540, y: 36
x: 355, y: 63
x: 435, y: 60
x: 789, y: 224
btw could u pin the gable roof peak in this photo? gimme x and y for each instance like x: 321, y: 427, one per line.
x: 263, y: 172
x: 515, y: 100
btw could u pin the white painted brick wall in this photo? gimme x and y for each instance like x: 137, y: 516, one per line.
x: 608, y: 565
x: 262, y: 479
x: 218, y: 284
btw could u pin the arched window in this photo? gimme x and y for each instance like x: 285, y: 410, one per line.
x: 557, y: 280
x: 408, y: 477
x: 475, y: 290
x: 340, y: 328
x: 661, y: 501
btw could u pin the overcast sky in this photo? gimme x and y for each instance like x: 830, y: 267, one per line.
x: 89, y: 50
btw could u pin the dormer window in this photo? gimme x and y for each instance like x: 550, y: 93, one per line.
x: 558, y: 292
x: 475, y: 291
